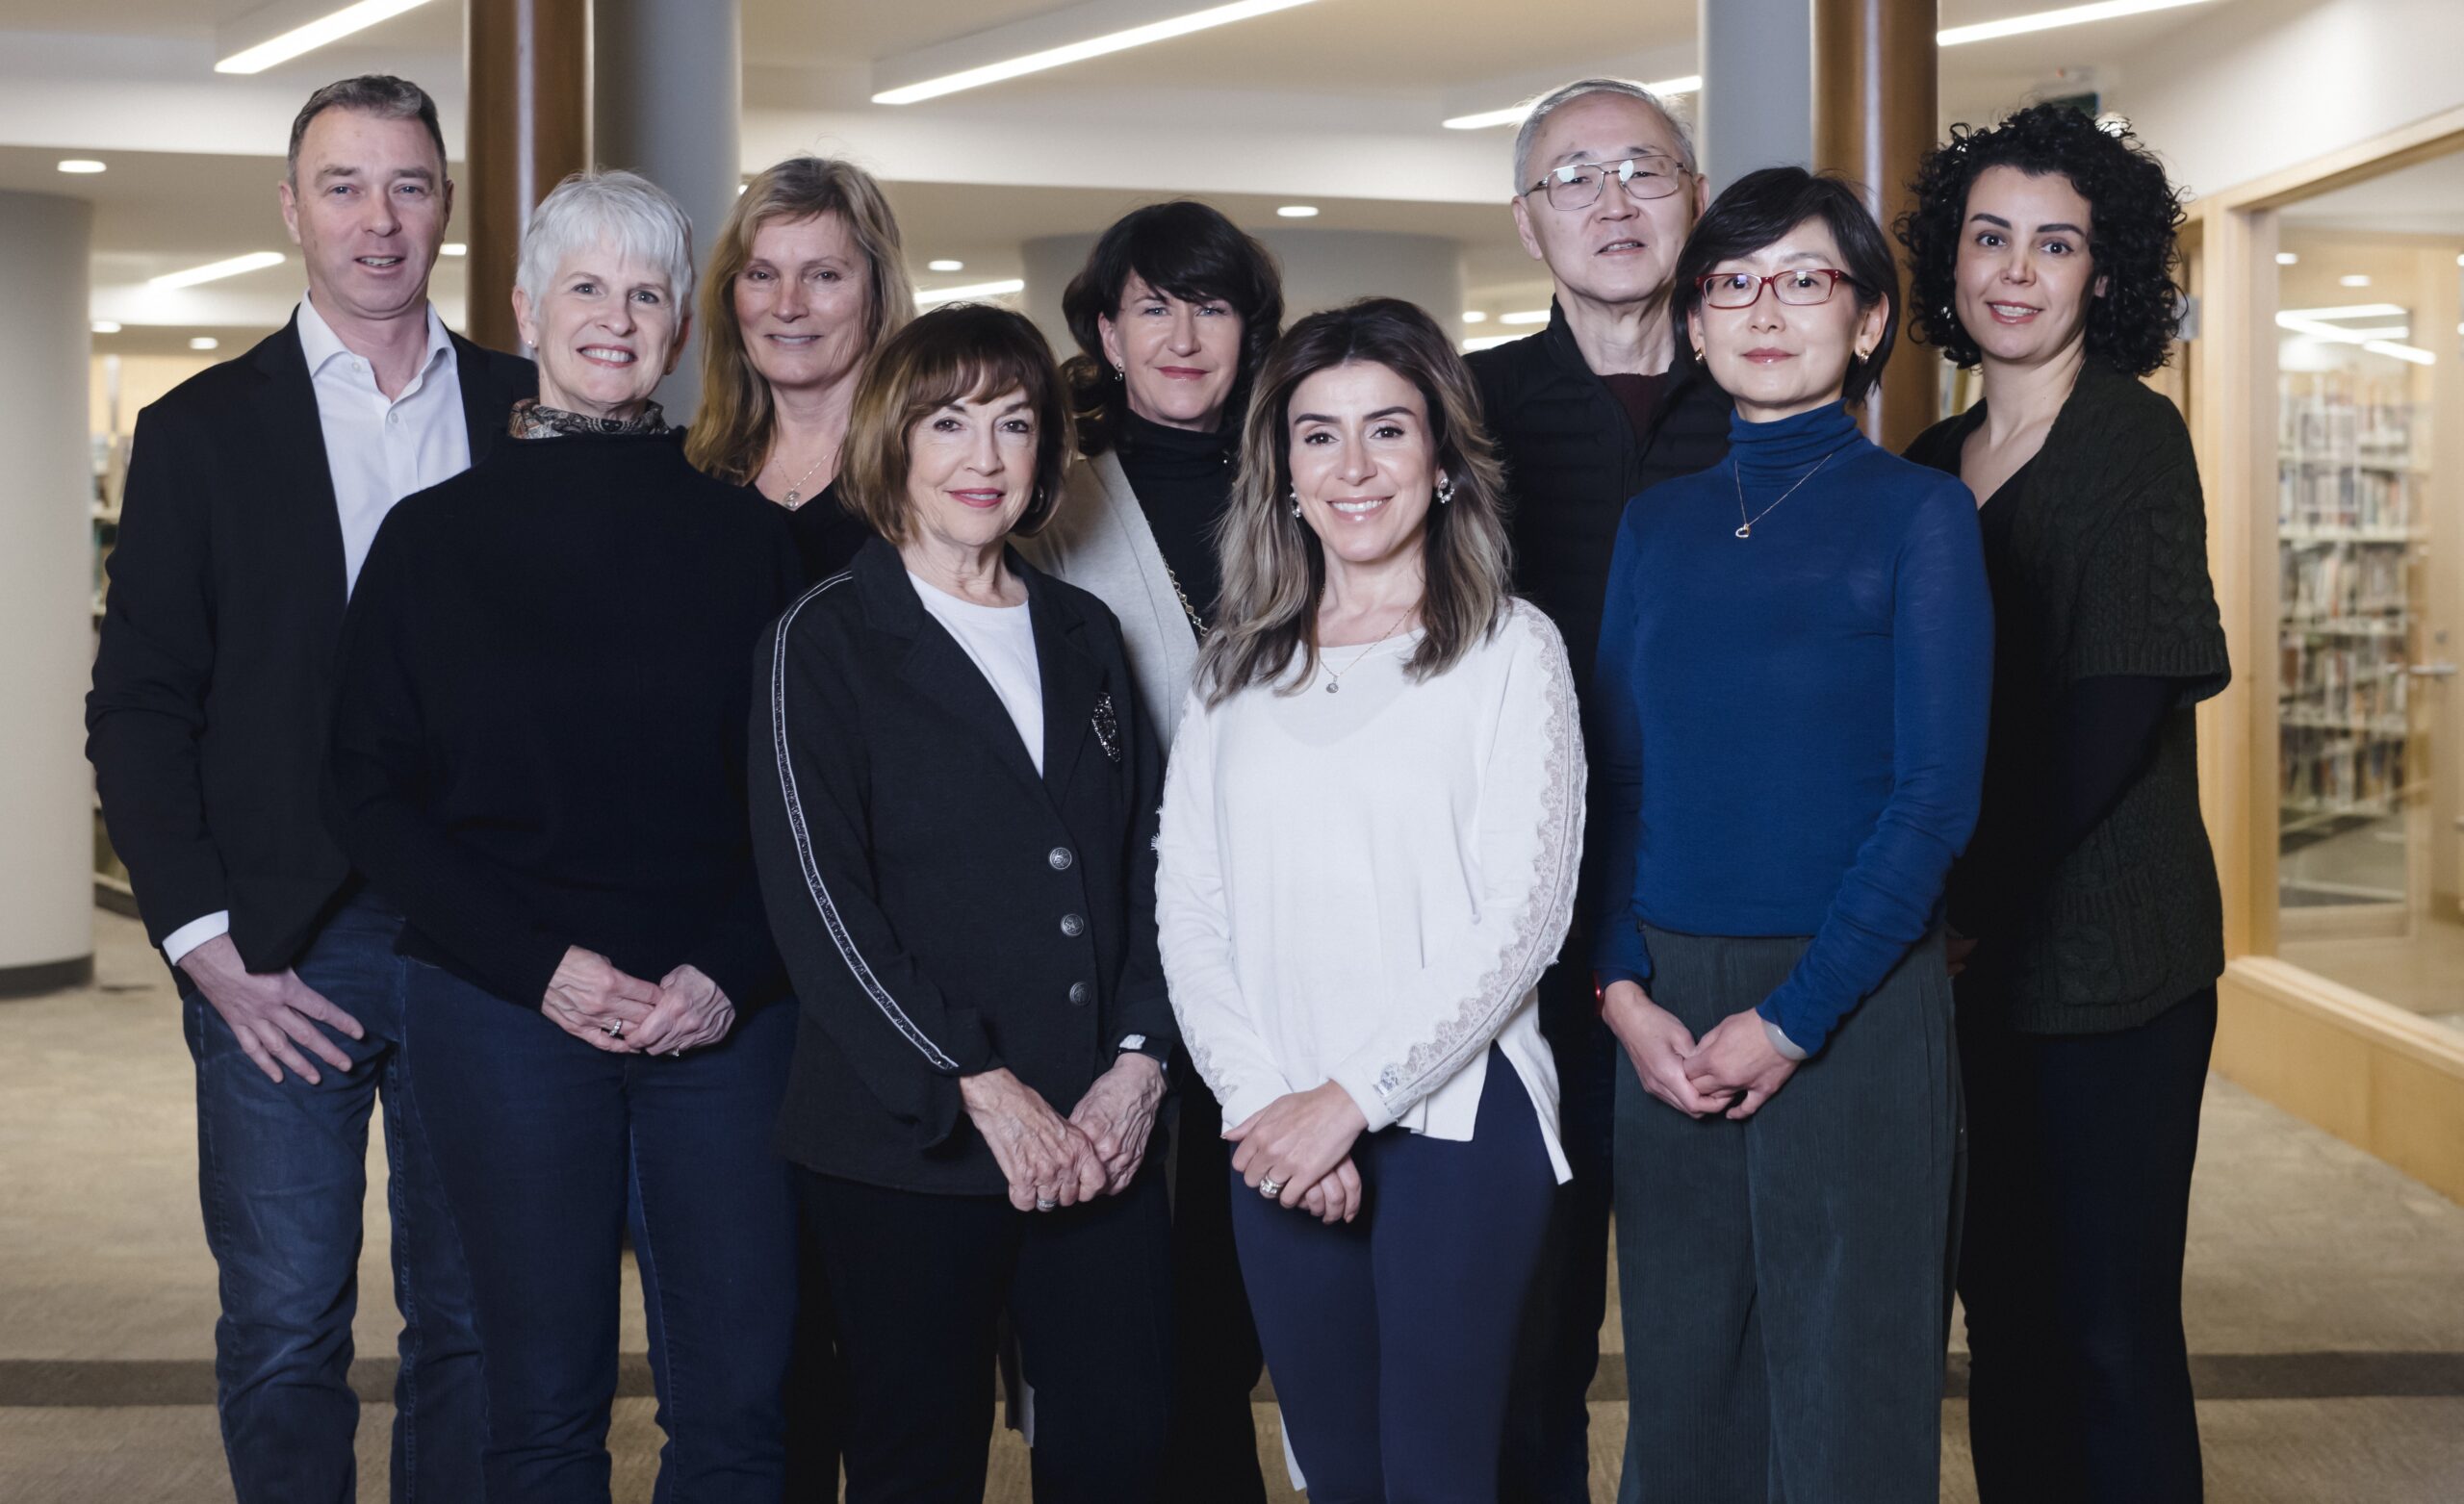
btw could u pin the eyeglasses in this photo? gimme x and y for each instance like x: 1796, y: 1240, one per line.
x: 1577, y: 184
x: 1800, y: 287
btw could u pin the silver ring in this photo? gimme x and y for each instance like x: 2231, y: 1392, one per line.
x: 1270, y: 1187
x: 615, y: 1029
x: 1045, y: 1204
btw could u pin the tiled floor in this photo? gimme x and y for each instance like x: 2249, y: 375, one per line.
x: 2324, y: 1295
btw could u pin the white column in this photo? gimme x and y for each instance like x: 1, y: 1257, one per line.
x: 1757, y: 107
x: 667, y: 98
x: 1320, y: 269
x: 46, y: 583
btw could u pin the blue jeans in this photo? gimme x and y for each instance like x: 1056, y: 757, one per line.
x: 282, y: 1172
x: 1391, y: 1337
x: 547, y: 1148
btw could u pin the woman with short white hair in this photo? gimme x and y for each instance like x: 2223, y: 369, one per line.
x: 539, y: 752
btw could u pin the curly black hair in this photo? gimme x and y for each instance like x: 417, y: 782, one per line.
x: 1192, y: 251
x: 2132, y: 231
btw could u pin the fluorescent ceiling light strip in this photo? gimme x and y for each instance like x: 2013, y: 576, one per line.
x: 1081, y: 51
x: 1487, y: 341
x: 2317, y: 330
x: 960, y: 294
x: 1526, y: 316
x: 2347, y: 310
x: 2051, y: 20
x: 316, y: 33
x: 1512, y: 115
x: 216, y: 272
x: 2412, y: 352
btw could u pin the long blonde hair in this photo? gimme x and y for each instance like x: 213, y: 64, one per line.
x: 732, y: 435
x: 1274, y: 569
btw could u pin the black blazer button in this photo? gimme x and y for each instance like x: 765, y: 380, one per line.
x: 1072, y: 925
x: 1060, y: 859
x: 1079, y: 992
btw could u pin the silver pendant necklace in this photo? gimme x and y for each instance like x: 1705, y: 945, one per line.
x: 795, y: 497
x: 1335, y: 679
x: 1745, y: 523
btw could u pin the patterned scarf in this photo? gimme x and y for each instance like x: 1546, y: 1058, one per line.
x: 530, y: 420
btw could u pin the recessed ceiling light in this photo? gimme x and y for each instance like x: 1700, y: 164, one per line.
x: 1526, y: 316
x: 2353, y: 279
x: 958, y: 294
x: 454, y: 248
x: 945, y: 265
x: 310, y: 35
x: 1512, y: 115
x: 204, y: 342
x: 81, y: 165
x: 106, y: 326
x: 1299, y: 211
x: 1474, y: 315
x: 216, y: 271
x: 2287, y: 259
x: 1079, y: 51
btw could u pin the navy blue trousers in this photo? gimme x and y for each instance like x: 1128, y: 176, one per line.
x: 1391, y: 1339
x: 544, y: 1143
x: 282, y: 1173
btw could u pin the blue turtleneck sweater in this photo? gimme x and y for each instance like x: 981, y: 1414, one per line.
x: 1788, y: 729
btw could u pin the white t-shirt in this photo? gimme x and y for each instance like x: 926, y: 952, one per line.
x: 1001, y: 642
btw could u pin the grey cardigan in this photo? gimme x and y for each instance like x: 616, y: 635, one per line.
x: 1098, y: 540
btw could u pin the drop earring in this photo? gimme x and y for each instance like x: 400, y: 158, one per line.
x: 1295, y: 494
x: 1445, y: 488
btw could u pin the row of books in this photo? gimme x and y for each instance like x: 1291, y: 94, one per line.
x: 2331, y: 772
x: 2336, y: 583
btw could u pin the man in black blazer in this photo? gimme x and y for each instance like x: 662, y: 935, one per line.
x: 254, y: 490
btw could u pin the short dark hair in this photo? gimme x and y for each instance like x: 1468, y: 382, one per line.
x: 2134, y: 224
x: 1763, y: 206
x: 1190, y: 250
x: 957, y: 351
x: 380, y: 94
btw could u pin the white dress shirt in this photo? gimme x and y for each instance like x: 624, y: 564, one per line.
x: 1365, y: 886
x: 378, y: 451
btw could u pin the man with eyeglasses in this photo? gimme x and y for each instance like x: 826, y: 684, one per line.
x: 1604, y: 403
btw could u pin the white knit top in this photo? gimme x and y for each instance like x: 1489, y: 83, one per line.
x: 1365, y: 886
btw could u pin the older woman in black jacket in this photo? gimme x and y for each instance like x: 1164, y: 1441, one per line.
x: 955, y: 801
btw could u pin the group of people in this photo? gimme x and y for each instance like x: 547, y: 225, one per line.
x: 1245, y: 850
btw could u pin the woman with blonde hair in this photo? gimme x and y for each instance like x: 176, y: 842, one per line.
x: 1368, y: 849
x: 807, y: 276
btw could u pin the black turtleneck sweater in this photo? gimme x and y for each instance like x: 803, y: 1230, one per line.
x: 545, y: 694
x: 1183, y: 481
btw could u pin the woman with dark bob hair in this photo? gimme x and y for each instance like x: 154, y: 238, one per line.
x: 2085, y: 910
x: 1173, y: 311
x: 953, y: 817
x: 1789, y: 719
x: 1368, y: 846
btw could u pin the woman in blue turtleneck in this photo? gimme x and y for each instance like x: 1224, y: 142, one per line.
x: 1790, y: 722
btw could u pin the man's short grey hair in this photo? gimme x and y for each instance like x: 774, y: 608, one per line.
x: 380, y: 94
x: 1558, y: 98
x: 622, y: 210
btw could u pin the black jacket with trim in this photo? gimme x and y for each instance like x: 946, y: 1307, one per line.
x: 943, y: 910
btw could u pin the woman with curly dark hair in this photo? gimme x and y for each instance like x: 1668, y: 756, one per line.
x: 2089, y: 927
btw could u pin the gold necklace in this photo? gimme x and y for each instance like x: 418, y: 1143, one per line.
x: 1334, y: 677
x: 1197, y: 624
x: 1745, y: 523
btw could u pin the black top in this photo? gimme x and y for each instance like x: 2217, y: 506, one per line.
x: 826, y: 534
x: 1183, y: 481
x: 943, y: 908
x: 213, y: 680
x: 540, y: 738
x: 1573, y: 460
x: 2097, y: 557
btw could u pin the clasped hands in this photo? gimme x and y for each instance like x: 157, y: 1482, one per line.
x: 1303, y: 1139
x: 1732, y: 1070
x: 598, y: 1003
x: 1052, y: 1161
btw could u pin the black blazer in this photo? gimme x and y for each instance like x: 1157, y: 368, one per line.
x: 942, y: 909
x: 213, y: 682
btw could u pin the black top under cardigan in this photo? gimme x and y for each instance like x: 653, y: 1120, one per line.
x: 540, y: 740
x: 2097, y: 557
x: 215, y: 678
x: 943, y: 910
